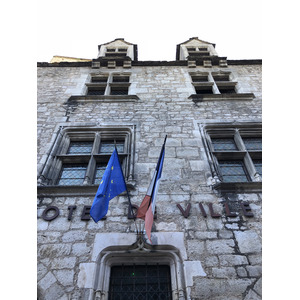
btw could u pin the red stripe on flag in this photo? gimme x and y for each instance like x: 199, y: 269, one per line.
x: 143, y: 207
x: 149, y: 222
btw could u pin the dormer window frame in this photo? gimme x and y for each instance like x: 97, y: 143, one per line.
x: 198, y: 51
x: 116, y: 51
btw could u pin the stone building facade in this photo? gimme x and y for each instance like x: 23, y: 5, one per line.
x: 206, y: 236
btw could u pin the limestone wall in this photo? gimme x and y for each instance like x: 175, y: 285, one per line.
x: 223, y: 255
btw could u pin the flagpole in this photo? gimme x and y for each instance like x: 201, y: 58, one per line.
x: 126, y: 190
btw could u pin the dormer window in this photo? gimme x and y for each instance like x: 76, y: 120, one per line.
x: 116, y: 52
x: 198, y: 51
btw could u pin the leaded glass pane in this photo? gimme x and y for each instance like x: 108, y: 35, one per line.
x: 224, y: 144
x: 233, y: 171
x: 258, y: 166
x: 80, y: 147
x: 72, y: 174
x: 119, y: 91
x: 254, y: 143
x: 98, y: 91
x: 142, y: 282
x: 109, y: 146
x: 100, y: 169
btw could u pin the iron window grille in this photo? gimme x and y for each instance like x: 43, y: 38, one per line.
x: 235, y: 153
x: 140, y: 282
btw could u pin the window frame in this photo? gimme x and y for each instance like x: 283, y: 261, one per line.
x: 246, y: 156
x: 58, y: 156
x: 118, y: 255
x: 109, y: 84
x: 215, y: 81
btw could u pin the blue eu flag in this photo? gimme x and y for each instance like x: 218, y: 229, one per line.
x: 112, y: 184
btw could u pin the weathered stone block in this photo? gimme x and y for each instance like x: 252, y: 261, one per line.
x: 63, y: 263
x: 64, y: 277
x: 54, y: 250
x: 212, y: 288
x: 233, y: 260
x: 227, y: 272
x: 220, y: 246
x: 248, y: 241
x: 195, y: 249
x: 47, y: 281
x: 73, y: 236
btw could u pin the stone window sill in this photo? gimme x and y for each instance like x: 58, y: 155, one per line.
x: 73, y: 190
x: 104, y: 98
x: 219, y: 97
x: 242, y: 187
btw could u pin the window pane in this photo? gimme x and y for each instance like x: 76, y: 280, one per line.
x: 72, y: 174
x: 221, y: 77
x: 80, y: 147
x: 99, y: 79
x: 140, y: 282
x: 121, y: 79
x: 94, y: 91
x: 100, y: 168
x: 119, y: 91
x: 226, y: 90
x: 224, y: 144
x: 200, y: 78
x: 258, y: 166
x: 203, y: 91
x: 233, y: 171
x: 109, y: 146
x: 253, y: 143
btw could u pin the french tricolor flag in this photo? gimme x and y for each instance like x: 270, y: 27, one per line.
x: 147, y: 207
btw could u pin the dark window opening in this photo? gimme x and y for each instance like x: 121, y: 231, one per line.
x: 119, y: 91
x: 200, y: 78
x: 99, y: 79
x: 121, y: 79
x: 221, y: 77
x: 224, y: 90
x: 140, y: 282
x: 96, y: 91
x: 203, y: 91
